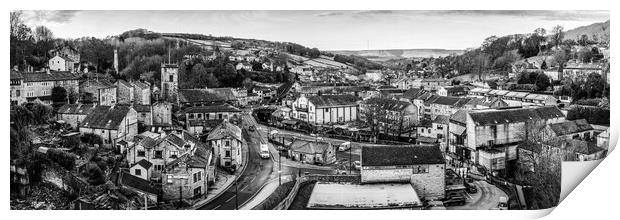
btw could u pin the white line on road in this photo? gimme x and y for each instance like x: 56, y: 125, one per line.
x: 244, y: 187
x: 216, y: 207
x: 230, y: 199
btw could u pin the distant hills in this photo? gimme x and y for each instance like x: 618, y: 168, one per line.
x: 382, y: 55
x: 601, y: 30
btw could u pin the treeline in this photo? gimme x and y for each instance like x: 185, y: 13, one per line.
x: 594, y: 86
x: 357, y: 61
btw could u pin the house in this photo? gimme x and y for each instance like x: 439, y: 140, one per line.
x: 439, y: 130
x: 63, y: 63
x: 39, y: 85
x: 553, y: 73
x: 74, y: 114
x: 422, y: 166
x: 161, y: 149
x: 431, y: 85
x: 161, y: 113
x: 602, y: 139
x: 452, y: 91
x: 312, y: 152
x: 111, y: 123
x: 142, y: 169
x: 145, y: 115
x: 101, y: 92
x: 201, y: 119
x: 142, y: 92
x: 490, y: 137
x: 397, y: 115
x: 17, y: 88
x: 576, y: 70
x: 125, y: 92
x: 189, y: 176
x: 226, y: 142
x: 68, y: 52
x: 485, y: 103
x: 326, y: 109
x: 578, y: 129
x: 435, y: 105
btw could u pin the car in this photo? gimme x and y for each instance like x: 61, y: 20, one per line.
x: 344, y: 146
x: 357, y: 164
x: 252, y: 128
x: 470, y: 188
x: 503, y: 203
x: 455, y: 201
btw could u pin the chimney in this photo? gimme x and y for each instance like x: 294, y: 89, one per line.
x: 116, y: 60
x: 47, y: 70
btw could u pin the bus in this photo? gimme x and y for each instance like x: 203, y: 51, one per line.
x: 264, y: 151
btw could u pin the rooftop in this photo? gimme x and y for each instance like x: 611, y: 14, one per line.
x: 106, y: 117
x: 502, y: 116
x: 333, y: 100
x: 354, y: 196
x: 570, y: 127
x: 394, y: 155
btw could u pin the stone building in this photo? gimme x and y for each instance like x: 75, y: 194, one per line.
x: 39, y: 85
x: 422, y: 166
x: 142, y: 93
x: 17, y: 88
x: 312, y: 152
x: 125, y: 92
x: 326, y: 109
x: 74, y: 114
x: 201, y: 119
x: 111, y: 123
x: 169, y: 82
x: 226, y: 142
x: 63, y: 63
x: 101, y: 92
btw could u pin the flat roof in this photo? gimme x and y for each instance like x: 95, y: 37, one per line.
x: 366, y: 196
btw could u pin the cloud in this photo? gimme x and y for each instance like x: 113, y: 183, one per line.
x: 542, y: 14
x: 37, y: 17
x: 354, y: 13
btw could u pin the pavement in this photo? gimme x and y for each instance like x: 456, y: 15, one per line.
x: 222, y: 182
x: 265, y: 192
x: 486, y: 198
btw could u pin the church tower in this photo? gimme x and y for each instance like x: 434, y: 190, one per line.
x: 169, y: 81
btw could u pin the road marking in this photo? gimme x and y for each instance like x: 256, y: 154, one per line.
x: 244, y: 187
x: 253, y: 179
x: 230, y: 199
x: 471, y: 198
x: 217, y: 207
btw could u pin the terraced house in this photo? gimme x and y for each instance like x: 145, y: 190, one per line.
x: 396, y: 116
x: 201, y: 119
x: 101, y: 92
x: 30, y: 86
x: 226, y: 142
x: 326, y: 109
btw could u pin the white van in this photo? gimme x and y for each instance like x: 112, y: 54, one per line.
x: 264, y: 151
x: 344, y: 146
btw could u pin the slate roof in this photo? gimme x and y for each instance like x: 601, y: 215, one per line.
x: 398, y: 155
x: 441, y: 119
x: 388, y: 104
x: 16, y: 75
x: 52, y: 76
x: 483, y: 101
x: 142, y: 108
x: 137, y: 183
x: 491, y: 117
x: 146, y: 142
x: 123, y: 82
x: 140, y: 85
x: 66, y: 58
x: 456, y: 89
x: 82, y: 109
x: 106, y: 117
x: 225, y: 129
x: 333, y: 100
x: 201, y: 95
x: 582, y: 147
x: 309, y: 147
x: 144, y: 163
x: 212, y: 108
x: 570, y: 127
x: 448, y: 100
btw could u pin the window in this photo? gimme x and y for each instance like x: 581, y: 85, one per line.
x: 159, y: 167
x: 197, y: 191
x: 439, y: 136
x: 191, y: 116
x: 439, y: 127
x: 171, y: 77
x: 137, y: 172
x: 195, y: 177
x: 227, y: 143
x: 326, y: 110
x: 158, y: 154
x: 227, y: 153
x: 219, y: 116
x: 174, y: 154
x: 17, y: 93
x: 420, y: 169
x: 169, y: 177
x: 227, y: 163
x: 199, y: 116
x: 141, y: 153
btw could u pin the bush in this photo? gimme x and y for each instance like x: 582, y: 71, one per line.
x: 64, y: 159
x: 91, y: 139
x: 593, y: 115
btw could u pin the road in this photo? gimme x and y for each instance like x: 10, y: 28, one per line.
x: 257, y: 172
x: 486, y: 198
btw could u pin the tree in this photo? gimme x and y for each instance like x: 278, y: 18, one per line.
x: 583, y: 40
x: 585, y: 55
x: 42, y: 33
x: 557, y: 35
x: 542, y: 82
x: 59, y: 94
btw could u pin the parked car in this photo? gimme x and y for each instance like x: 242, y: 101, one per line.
x: 344, y: 146
x: 434, y: 205
x: 252, y: 128
x: 357, y: 164
x: 503, y: 203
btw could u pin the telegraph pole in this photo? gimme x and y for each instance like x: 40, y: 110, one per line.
x: 236, y: 193
x: 279, y: 168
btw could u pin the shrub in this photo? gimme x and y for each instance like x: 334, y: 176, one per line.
x: 593, y: 115
x: 91, y: 139
x: 64, y: 159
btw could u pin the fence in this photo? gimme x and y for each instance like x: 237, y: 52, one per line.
x: 514, y: 192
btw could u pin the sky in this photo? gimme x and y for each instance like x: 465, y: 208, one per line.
x: 326, y: 30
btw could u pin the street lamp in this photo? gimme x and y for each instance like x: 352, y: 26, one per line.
x: 279, y: 168
x: 236, y: 194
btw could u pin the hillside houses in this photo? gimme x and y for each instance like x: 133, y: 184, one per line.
x: 576, y: 70
x: 513, y: 98
x: 201, y: 119
x: 204, y: 97
x: 74, y: 114
x: 226, y: 142
x: 101, y: 92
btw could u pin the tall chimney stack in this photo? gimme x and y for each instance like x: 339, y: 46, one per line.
x: 116, y: 60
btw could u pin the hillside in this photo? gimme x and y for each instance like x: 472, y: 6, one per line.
x: 600, y: 29
x: 382, y: 55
